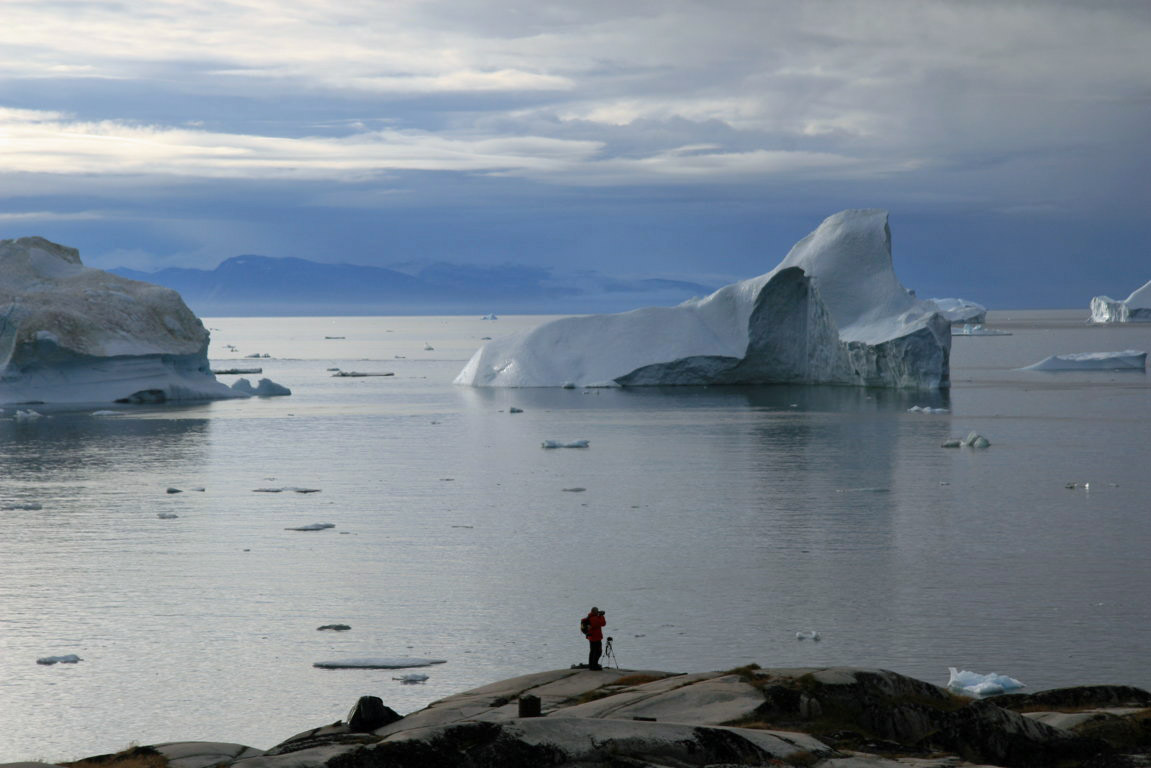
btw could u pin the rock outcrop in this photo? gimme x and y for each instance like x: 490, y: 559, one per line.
x: 826, y: 717
x: 832, y: 312
x: 69, y: 333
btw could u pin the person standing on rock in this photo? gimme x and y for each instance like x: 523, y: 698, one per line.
x: 592, y: 627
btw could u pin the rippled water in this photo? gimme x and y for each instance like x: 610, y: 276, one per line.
x: 715, y: 523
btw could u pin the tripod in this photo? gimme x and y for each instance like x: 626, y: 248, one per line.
x: 609, y: 658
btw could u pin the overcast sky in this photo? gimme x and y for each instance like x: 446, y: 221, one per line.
x: 1009, y: 139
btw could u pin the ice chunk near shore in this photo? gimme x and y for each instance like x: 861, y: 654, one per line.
x: 832, y: 312
x: 74, y: 334
x: 402, y: 662
x: 411, y: 678
x: 961, y: 310
x: 975, y: 684
x: 1136, y: 308
x: 1126, y: 360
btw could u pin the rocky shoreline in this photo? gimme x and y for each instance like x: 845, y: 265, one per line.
x: 832, y: 717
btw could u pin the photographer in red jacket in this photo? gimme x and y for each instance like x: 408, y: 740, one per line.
x: 592, y: 626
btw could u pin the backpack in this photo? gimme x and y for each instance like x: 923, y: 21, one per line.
x: 584, y: 625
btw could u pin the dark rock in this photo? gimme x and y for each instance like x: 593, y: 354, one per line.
x: 1078, y: 697
x: 369, y: 713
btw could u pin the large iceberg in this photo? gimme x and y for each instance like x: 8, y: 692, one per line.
x: 832, y: 312
x: 71, y: 334
x: 1136, y: 308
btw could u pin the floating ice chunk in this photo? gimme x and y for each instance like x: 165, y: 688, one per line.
x: 411, y: 678
x: 975, y: 684
x: 1136, y: 308
x: 174, y: 490
x: 283, y: 488
x: 27, y: 506
x: 335, y: 627
x: 562, y: 444
x: 926, y: 409
x: 973, y: 440
x: 977, y: 330
x: 513, y: 409
x: 28, y: 415
x: 265, y: 388
x: 104, y: 413
x: 1125, y: 360
x: 808, y: 634
x: 360, y: 374
x: 68, y: 658
x: 402, y: 662
x: 167, y: 515
x: 312, y: 527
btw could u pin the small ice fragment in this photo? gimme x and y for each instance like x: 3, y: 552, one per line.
x: 174, y: 490
x: 69, y: 658
x: 27, y: 506
x: 953, y: 442
x: 335, y: 627
x: 411, y: 678
x: 28, y: 415
x: 167, y: 515
x: 574, y: 490
x: 808, y: 634
x: 101, y: 413
x: 562, y: 444
x: 312, y: 527
x: 402, y: 662
x: 513, y: 409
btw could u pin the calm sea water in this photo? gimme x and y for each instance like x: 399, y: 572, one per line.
x: 714, y: 524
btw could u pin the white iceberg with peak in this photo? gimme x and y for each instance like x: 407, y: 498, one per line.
x: 1125, y: 360
x: 1136, y: 308
x: 832, y: 312
x: 72, y: 334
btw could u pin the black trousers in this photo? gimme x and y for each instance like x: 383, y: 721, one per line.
x: 595, y: 648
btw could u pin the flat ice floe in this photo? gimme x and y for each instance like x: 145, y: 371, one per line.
x: 1125, y: 360
x: 832, y: 312
x: 400, y: 662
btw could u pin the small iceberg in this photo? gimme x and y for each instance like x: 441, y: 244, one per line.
x: 977, y: 329
x: 975, y: 684
x: 973, y: 440
x: 412, y: 678
x: 312, y: 527
x: 69, y: 658
x: 961, y: 310
x: 927, y: 409
x: 1125, y: 360
x: 28, y: 415
x: 1136, y: 308
x: 809, y: 634
x: 264, y: 388
x: 562, y: 444
x: 335, y: 627
x: 167, y: 515
x: 402, y: 662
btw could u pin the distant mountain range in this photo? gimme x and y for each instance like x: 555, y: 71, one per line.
x: 273, y: 286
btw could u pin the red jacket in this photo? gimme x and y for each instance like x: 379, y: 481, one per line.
x: 596, y: 623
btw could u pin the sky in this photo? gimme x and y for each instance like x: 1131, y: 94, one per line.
x: 1008, y: 139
